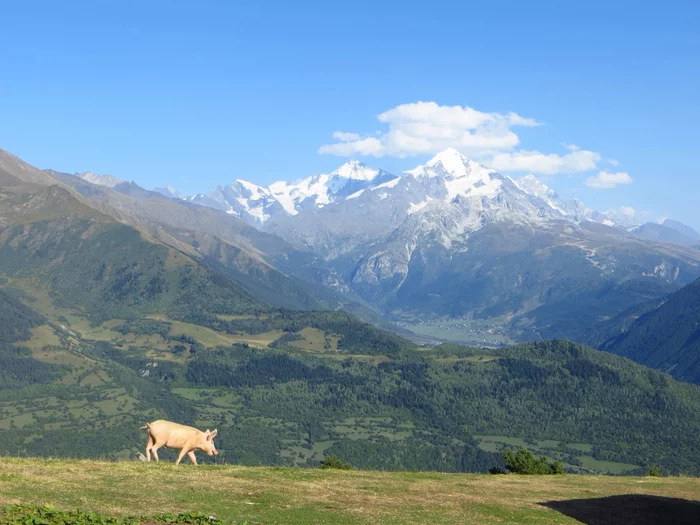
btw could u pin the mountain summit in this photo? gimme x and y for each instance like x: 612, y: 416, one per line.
x: 448, y: 175
x: 256, y: 204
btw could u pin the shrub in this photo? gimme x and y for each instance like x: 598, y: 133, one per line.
x: 525, y: 462
x: 654, y: 471
x: 336, y: 463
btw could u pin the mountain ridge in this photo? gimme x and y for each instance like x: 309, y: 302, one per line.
x: 450, y: 239
x: 209, y: 234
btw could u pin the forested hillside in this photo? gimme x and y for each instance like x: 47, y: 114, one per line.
x: 86, y: 260
x: 667, y: 337
x: 291, y: 397
x: 17, y: 367
x: 261, y: 263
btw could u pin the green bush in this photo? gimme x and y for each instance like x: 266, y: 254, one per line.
x: 525, y: 462
x: 654, y: 471
x: 336, y: 463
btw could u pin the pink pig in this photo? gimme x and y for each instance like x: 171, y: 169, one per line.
x: 167, y: 434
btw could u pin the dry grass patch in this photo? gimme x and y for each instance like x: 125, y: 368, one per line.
x: 41, y: 336
x: 280, y: 495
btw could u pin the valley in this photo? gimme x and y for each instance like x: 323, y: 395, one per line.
x: 291, y: 397
x: 126, y: 314
x: 484, y: 333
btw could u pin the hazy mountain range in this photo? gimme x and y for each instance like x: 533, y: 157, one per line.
x: 450, y: 240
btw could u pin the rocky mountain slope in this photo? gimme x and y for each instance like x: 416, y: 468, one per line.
x: 52, y: 239
x: 452, y: 239
x: 671, y: 232
x: 262, y: 263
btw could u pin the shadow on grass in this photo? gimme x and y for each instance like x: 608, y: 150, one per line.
x: 630, y: 509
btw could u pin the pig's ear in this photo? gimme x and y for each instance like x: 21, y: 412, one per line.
x: 207, y: 431
x: 211, y: 435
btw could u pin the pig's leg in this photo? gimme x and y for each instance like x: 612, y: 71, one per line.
x: 155, y: 447
x: 181, y: 455
x: 193, y: 459
x: 149, y: 446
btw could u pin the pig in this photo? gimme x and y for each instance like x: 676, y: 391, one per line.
x: 167, y: 434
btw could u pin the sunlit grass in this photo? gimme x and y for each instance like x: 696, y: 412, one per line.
x: 281, y: 495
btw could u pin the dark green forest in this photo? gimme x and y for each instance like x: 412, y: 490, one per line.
x: 400, y: 408
x: 17, y: 368
x: 666, y: 337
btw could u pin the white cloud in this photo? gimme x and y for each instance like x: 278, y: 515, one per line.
x: 369, y: 146
x: 605, y: 180
x: 426, y: 128
x: 549, y: 164
x: 346, y: 137
x: 571, y: 147
x: 613, y: 162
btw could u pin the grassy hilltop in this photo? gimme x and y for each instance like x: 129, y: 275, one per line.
x: 283, y: 495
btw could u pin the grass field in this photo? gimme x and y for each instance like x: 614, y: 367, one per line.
x: 299, y: 496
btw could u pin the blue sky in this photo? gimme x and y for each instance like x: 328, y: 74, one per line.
x: 199, y: 94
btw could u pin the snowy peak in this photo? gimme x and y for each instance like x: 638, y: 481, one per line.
x: 572, y: 209
x: 356, y: 170
x: 451, y: 164
x: 102, y: 180
x: 459, y: 175
x: 250, y: 190
x: 530, y: 184
x: 449, y: 178
x: 257, y: 203
x: 624, y: 216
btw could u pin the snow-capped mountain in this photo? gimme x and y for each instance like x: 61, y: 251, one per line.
x: 573, y: 209
x: 257, y: 204
x: 449, y: 192
x: 623, y: 217
x: 454, y: 239
x: 103, y: 180
x: 445, y: 177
